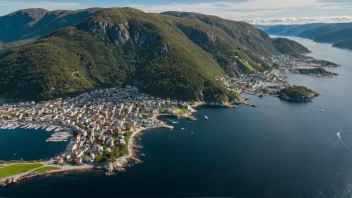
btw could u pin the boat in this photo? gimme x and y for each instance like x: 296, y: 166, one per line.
x: 206, y: 117
x: 323, y: 110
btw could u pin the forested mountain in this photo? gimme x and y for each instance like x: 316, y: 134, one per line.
x: 347, y: 44
x: 167, y: 55
x: 34, y: 23
x: 287, y: 46
x: 335, y: 36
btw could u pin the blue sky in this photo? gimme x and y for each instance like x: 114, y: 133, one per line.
x: 253, y: 11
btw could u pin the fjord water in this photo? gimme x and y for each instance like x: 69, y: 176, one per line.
x: 280, y: 149
x: 28, y: 144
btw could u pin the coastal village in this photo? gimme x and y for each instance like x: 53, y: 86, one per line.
x: 101, y: 122
x: 257, y: 84
x: 300, y: 64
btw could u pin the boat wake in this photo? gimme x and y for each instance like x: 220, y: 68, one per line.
x: 338, y: 141
x: 342, y: 142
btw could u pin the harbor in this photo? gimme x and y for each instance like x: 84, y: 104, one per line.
x: 60, y: 133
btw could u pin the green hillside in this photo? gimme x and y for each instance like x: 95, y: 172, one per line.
x: 287, y: 46
x: 162, y: 55
x: 241, y: 34
x: 347, y: 44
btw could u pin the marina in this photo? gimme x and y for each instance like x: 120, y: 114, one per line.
x: 60, y: 133
x: 59, y: 137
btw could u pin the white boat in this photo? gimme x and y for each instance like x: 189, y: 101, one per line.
x: 323, y: 110
x: 206, y: 117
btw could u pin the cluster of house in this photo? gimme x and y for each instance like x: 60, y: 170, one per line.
x: 268, y: 82
x: 289, y: 62
x: 100, y: 120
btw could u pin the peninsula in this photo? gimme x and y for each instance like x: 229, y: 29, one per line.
x: 298, y: 93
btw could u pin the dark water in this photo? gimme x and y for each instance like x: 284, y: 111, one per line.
x: 28, y: 144
x: 280, y: 149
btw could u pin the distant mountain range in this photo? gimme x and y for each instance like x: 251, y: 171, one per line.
x: 319, y: 32
x: 172, y: 54
x: 34, y: 23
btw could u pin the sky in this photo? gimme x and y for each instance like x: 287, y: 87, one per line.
x: 252, y: 11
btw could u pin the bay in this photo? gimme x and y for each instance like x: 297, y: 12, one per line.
x: 28, y: 144
x: 280, y: 149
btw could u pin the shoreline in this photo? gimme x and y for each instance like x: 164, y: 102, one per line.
x: 120, y: 163
x: 124, y: 160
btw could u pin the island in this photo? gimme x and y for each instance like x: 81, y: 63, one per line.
x: 297, y: 93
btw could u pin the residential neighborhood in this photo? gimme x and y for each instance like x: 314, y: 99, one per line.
x: 100, y: 123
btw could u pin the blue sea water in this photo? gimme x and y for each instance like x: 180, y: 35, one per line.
x: 280, y: 149
x: 28, y: 144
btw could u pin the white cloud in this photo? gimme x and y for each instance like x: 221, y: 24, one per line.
x: 300, y: 20
x: 10, y: 6
x: 254, y: 10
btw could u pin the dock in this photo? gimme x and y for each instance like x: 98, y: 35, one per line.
x: 167, y: 126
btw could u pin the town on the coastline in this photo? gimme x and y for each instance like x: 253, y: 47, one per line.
x: 101, y: 121
x: 101, y: 125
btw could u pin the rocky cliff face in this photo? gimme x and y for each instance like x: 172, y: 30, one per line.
x: 116, y: 33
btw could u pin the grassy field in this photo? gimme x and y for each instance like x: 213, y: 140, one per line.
x: 46, y: 169
x: 250, y: 68
x: 17, y: 169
